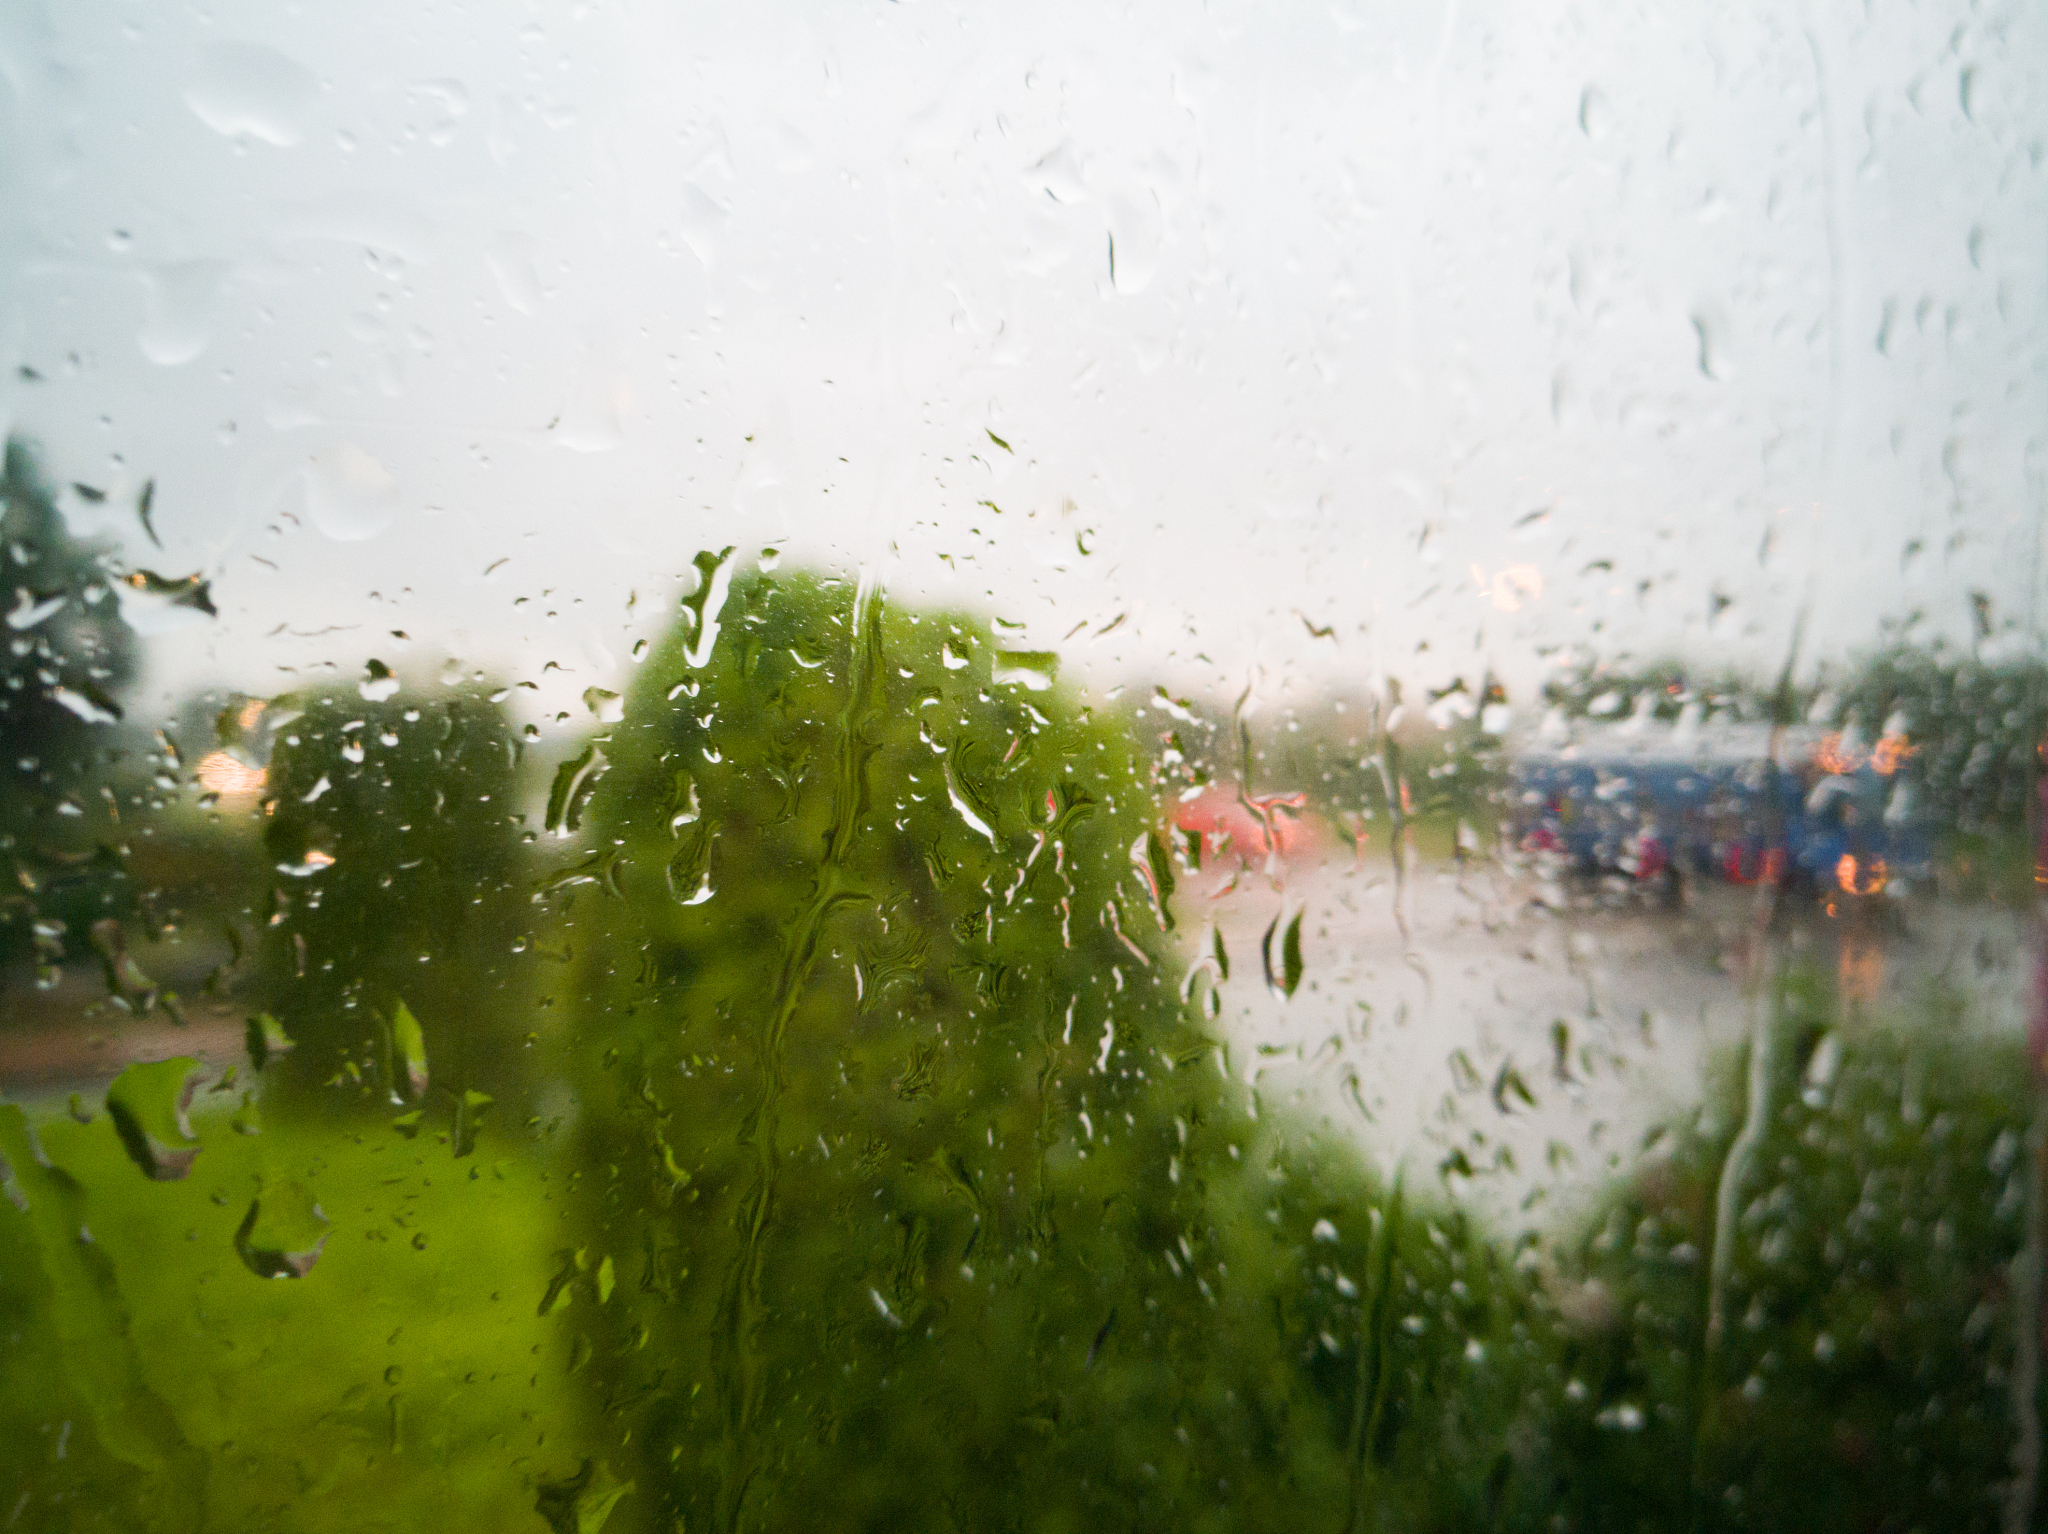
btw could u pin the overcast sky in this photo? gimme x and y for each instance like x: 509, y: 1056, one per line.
x: 1486, y: 328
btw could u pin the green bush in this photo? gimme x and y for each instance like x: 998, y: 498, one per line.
x: 396, y: 875
x: 1800, y: 1314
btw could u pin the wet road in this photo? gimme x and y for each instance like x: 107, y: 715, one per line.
x: 74, y: 1037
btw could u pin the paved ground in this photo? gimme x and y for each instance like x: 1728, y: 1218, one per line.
x: 75, y: 1038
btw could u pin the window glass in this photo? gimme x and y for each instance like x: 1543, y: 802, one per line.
x: 876, y: 767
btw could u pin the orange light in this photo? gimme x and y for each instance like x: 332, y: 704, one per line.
x: 1860, y: 880
x: 1830, y: 756
x: 221, y: 774
x: 1889, y: 752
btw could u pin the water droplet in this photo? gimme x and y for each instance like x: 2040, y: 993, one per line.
x: 84, y: 707
x: 1287, y: 978
x: 1596, y: 116
x: 1710, y: 331
x: 975, y: 823
x: 149, y: 1103
x: 689, y: 871
x: 683, y: 807
x: 575, y: 781
x: 349, y: 495
x: 28, y: 612
x: 178, y: 319
x: 266, y: 1038
x: 379, y: 684
x: 1137, y: 229
x: 283, y: 1233
x: 702, y: 605
x: 581, y: 1504
x: 470, y: 1109
x: 1033, y: 669
x: 510, y: 256
x: 408, y: 1055
x: 1058, y: 176
x: 245, y: 90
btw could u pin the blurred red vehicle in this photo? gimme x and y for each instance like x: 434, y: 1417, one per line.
x: 1252, y: 827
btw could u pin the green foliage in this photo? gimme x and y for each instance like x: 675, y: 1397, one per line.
x: 1807, y: 1323
x: 1976, y: 725
x: 1599, y: 688
x: 163, y: 1368
x: 66, y: 654
x: 396, y: 878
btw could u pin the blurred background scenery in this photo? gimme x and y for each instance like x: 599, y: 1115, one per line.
x: 871, y: 767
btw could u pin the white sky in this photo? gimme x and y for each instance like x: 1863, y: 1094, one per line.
x: 383, y: 294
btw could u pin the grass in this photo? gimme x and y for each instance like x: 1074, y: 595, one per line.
x: 412, y: 1359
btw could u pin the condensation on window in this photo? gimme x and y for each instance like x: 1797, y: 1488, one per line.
x: 896, y: 766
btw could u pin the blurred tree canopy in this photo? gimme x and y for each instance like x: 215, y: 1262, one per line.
x: 1600, y: 689
x: 1802, y: 1310
x: 1976, y: 725
x: 67, y: 655
x: 392, y: 832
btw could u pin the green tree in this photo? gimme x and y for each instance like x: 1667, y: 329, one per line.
x: 1975, y: 726
x: 67, y: 653
x: 393, y: 835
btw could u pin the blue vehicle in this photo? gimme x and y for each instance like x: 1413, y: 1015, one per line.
x: 1662, y: 809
